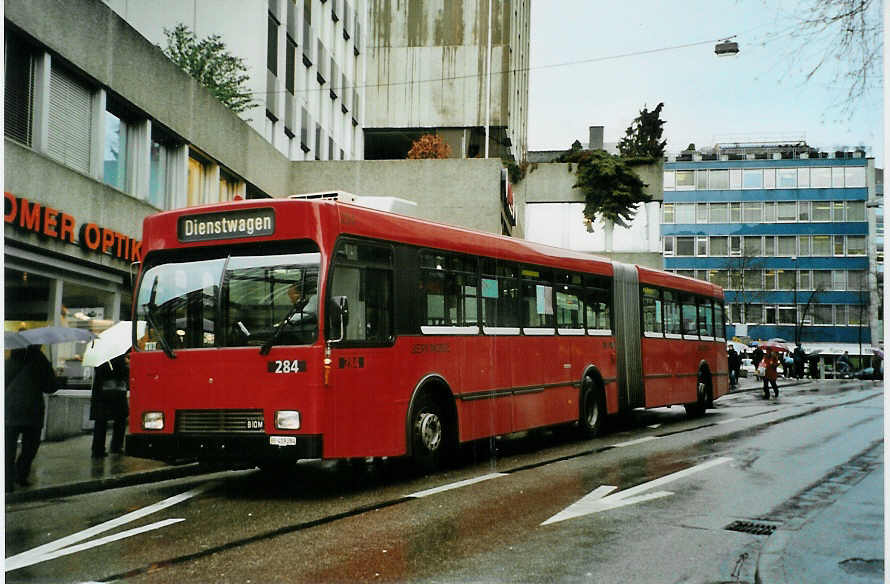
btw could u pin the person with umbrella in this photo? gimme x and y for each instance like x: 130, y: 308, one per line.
x: 770, y: 365
x: 109, y: 402
x: 28, y: 376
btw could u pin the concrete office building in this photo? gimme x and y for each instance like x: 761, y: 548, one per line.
x: 305, y: 61
x: 429, y: 70
x: 362, y: 79
x: 785, y: 229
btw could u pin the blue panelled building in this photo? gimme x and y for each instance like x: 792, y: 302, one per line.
x: 789, y: 232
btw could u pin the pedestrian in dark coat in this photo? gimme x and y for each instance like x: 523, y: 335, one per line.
x: 109, y: 402
x: 28, y: 376
x: 735, y: 363
x: 799, y: 361
x: 757, y: 356
x: 814, y: 366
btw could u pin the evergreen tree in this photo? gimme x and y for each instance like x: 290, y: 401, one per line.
x: 642, y: 139
x: 211, y: 65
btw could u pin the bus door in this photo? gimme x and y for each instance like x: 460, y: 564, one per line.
x: 363, y: 417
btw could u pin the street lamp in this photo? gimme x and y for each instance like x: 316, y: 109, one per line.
x: 727, y: 48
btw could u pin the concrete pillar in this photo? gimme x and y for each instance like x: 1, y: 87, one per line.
x: 139, y: 158
x: 40, y: 117
x: 595, y: 137
x: 97, y: 135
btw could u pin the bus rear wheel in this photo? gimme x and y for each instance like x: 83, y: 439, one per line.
x: 592, y: 409
x: 430, y: 433
x: 697, y: 408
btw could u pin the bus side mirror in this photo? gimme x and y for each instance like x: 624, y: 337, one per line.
x: 339, y: 311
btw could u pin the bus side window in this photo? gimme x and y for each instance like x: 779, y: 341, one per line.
x: 598, y: 303
x: 689, y: 314
x: 537, y: 298
x: 450, y: 287
x: 500, y: 294
x: 672, y: 321
x: 719, y: 320
x: 705, y: 317
x: 368, y: 287
x: 651, y: 306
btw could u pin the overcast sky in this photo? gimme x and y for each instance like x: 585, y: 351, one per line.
x: 759, y: 94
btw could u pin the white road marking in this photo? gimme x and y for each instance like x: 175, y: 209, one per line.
x: 637, y: 441
x: 600, y: 499
x: 25, y: 558
x: 457, y: 485
x: 97, y: 542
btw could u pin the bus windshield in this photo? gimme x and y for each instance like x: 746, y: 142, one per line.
x: 231, y: 301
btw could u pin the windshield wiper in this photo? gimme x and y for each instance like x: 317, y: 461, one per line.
x: 149, y: 316
x: 264, y: 350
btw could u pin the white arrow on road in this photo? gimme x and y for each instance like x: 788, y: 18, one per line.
x: 600, y: 499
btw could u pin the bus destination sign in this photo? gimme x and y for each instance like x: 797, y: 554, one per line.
x: 226, y: 225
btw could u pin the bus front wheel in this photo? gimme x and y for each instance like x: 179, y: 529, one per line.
x: 430, y: 438
x: 592, y: 409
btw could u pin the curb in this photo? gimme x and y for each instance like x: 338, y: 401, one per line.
x: 770, y: 564
x: 125, y: 480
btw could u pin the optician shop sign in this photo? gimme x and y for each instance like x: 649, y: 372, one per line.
x: 43, y: 220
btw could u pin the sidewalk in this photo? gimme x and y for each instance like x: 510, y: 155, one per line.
x: 839, y: 542
x: 65, y: 468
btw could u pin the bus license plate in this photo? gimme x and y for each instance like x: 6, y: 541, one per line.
x: 283, y: 440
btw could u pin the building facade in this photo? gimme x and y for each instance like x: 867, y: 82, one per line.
x: 305, y: 62
x: 362, y: 79
x: 447, y: 67
x: 785, y: 229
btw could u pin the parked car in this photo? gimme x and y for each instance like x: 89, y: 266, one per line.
x: 748, y: 369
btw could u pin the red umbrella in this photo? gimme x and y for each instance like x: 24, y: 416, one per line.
x: 773, y: 346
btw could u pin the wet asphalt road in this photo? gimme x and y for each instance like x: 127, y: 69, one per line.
x: 518, y: 520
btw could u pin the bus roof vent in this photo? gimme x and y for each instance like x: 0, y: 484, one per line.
x: 389, y: 204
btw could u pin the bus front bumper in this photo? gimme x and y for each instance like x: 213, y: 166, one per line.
x: 250, y: 449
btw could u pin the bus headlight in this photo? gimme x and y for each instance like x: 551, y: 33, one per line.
x: 287, y: 420
x: 153, y: 420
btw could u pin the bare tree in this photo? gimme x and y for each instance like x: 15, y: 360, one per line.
x: 746, y: 291
x: 839, y: 38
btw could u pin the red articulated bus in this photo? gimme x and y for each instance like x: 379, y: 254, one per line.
x: 286, y: 329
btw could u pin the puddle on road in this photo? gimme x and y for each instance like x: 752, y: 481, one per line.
x: 860, y: 567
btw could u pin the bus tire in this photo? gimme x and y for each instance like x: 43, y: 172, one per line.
x: 697, y: 408
x: 430, y: 433
x: 592, y: 408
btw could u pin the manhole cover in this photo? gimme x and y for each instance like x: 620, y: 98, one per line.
x: 754, y: 527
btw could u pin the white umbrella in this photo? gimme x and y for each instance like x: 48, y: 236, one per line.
x: 52, y: 335
x: 113, y: 341
x: 739, y: 347
x: 13, y: 340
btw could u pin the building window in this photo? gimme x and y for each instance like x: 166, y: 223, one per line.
x: 701, y: 180
x: 837, y: 177
x: 769, y: 279
x: 856, y: 211
x: 821, y: 210
x: 668, y: 246
x: 719, y: 213
x: 753, y: 279
x: 701, y: 246
x: 838, y: 208
x: 769, y: 246
x: 735, y: 178
x: 18, y: 90
x: 856, y: 245
x: 669, y: 180
x: 787, y: 315
x: 735, y: 245
x: 685, y: 246
x: 752, y: 179
x: 114, y: 161
x: 820, y: 178
x: 786, y: 211
x: 684, y: 213
x: 822, y: 314
x: 719, y: 246
x: 838, y: 245
x: 753, y: 246
x: 701, y: 213
x: 805, y: 280
x: 667, y: 213
x: 804, y: 245
x: 854, y: 176
x: 198, y: 175
x: 719, y: 179
x: 229, y: 187
x: 272, y: 45
x: 786, y: 245
x: 685, y: 180
x: 158, y: 163
x: 769, y: 212
x: 786, y: 178
x: 769, y: 178
x: 857, y: 280
x: 735, y: 212
x: 787, y: 280
x: 822, y: 280
x: 803, y: 212
x: 752, y: 212
x: 70, y: 120
x: 290, y: 63
x: 803, y: 178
